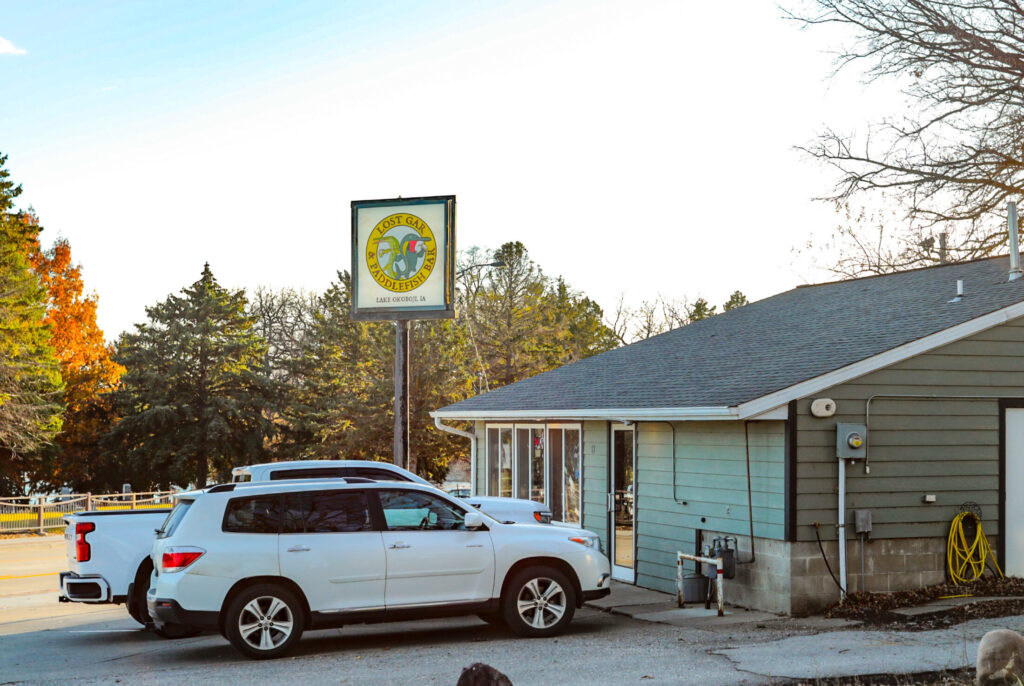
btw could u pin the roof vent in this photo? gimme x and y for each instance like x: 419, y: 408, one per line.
x: 1011, y: 225
x: 959, y: 291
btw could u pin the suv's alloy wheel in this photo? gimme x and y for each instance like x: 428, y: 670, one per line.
x: 264, y: 621
x: 539, y: 601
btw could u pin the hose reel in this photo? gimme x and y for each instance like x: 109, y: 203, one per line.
x: 967, y: 549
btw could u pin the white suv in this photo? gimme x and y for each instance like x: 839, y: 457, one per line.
x: 262, y: 562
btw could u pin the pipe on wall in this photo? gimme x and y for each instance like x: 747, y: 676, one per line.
x: 472, y: 449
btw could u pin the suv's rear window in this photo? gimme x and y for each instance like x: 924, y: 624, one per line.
x: 376, y: 474
x: 259, y: 514
x: 174, y: 518
x: 326, y: 512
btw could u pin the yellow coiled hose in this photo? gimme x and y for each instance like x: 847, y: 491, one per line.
x: 966, y: 560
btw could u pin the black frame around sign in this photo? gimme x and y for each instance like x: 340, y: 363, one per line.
x: 447, y: 311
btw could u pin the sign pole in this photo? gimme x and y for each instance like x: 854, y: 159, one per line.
x: 401, y: 450
x: 403, y: 268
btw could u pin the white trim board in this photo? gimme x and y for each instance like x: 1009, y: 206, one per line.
x: 615, y: 414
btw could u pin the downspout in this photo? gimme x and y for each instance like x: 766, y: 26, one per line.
x: 842, y: 529
x: 472, y: 449
x: 750, y: 505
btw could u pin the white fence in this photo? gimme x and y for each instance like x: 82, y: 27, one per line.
x: 41, y: 512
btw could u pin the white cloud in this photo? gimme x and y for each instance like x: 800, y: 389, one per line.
x: 9, y: 48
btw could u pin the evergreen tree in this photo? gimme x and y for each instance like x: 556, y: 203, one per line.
x: 340, y: 406
x: 574, y: 326
x: 342, y: 403
x: 700, y: 310
x: 442, y: 370
x: 30, y: 383
x: 193, y: 396
x: 737, y: 299
x: 509, y: 315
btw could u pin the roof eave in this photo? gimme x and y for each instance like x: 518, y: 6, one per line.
x: 641, y: 414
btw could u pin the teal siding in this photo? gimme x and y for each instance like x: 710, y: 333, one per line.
x: 595, y: 479
x: 711, y: 479
x: 943, y: 446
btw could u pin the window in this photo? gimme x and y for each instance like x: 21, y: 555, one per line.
x: 536, y: 462
x: 254, y: 515
x: 412, y: 511
x: 308, y: 473
x: 376, y: 474
x: 174, y: 518
x: 499, y: 461
x: 326, y: 512
x: 571, y: 474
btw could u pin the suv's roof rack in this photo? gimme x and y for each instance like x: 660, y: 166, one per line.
x: 358, y: 480
x: 222, y: 488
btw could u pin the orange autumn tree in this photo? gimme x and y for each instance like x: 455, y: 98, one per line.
x: 86, y: 366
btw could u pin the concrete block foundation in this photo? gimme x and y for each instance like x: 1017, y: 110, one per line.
x: 792, y: 578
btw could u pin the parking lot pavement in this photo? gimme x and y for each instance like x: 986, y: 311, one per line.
x: 43, y: 642
x: 599, y: 648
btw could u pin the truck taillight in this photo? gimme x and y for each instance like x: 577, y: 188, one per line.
x: 83, y: 551
x: 176, y: 558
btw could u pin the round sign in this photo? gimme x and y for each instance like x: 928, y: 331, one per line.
x: 401, y: 252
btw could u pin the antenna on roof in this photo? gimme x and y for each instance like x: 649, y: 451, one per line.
x: 1011, y: 225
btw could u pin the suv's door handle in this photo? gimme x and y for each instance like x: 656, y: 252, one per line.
x: 397, y: 546
x: 298, y: 549
x: 611, y: 502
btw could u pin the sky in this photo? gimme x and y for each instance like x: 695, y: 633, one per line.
x: 641, y: 149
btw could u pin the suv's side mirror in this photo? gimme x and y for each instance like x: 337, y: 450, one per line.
x: 474, y: 520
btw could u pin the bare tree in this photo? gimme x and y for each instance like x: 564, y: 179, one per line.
x: 653, y: 317
x: 952, y: 167
x: 282, y: 318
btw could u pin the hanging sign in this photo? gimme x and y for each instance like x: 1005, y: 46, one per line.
x: 403, y: 258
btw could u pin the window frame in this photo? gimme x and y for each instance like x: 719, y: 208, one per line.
x: 370, y: 507
x: 487, y: 457
x: 280, y: 514
x: 545, y: 427
x: 578, y: 427
x: 447, y: 501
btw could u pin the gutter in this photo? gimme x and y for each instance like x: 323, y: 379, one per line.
x: 614, y: 414
x: 472, y: 448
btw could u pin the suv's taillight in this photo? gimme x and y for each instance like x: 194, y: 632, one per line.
x: 176, y: 558
x: 83, y: 551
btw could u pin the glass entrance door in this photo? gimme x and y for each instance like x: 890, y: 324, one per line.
x: 623, y: 504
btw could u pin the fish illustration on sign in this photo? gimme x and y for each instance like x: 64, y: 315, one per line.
x: 400, y: 259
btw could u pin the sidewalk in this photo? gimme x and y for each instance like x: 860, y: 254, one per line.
x: 772, y: 646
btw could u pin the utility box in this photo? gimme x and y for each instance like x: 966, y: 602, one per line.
x: 851, y: 441
x: 862, y: 521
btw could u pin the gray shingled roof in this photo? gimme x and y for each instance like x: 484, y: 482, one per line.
x: 765, y: 346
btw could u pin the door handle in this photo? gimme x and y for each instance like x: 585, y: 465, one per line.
x: 398, y: 546
x: 298, y: 549
x: 611, y: 502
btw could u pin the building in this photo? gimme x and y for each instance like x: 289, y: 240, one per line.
x: 709, y: 430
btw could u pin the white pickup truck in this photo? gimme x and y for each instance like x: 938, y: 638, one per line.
x: 109, y: 552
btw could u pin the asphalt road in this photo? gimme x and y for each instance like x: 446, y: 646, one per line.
x: 43, y: 642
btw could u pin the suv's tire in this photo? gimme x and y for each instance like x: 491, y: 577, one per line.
x: 538, y: 601
x: 264, y: 621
